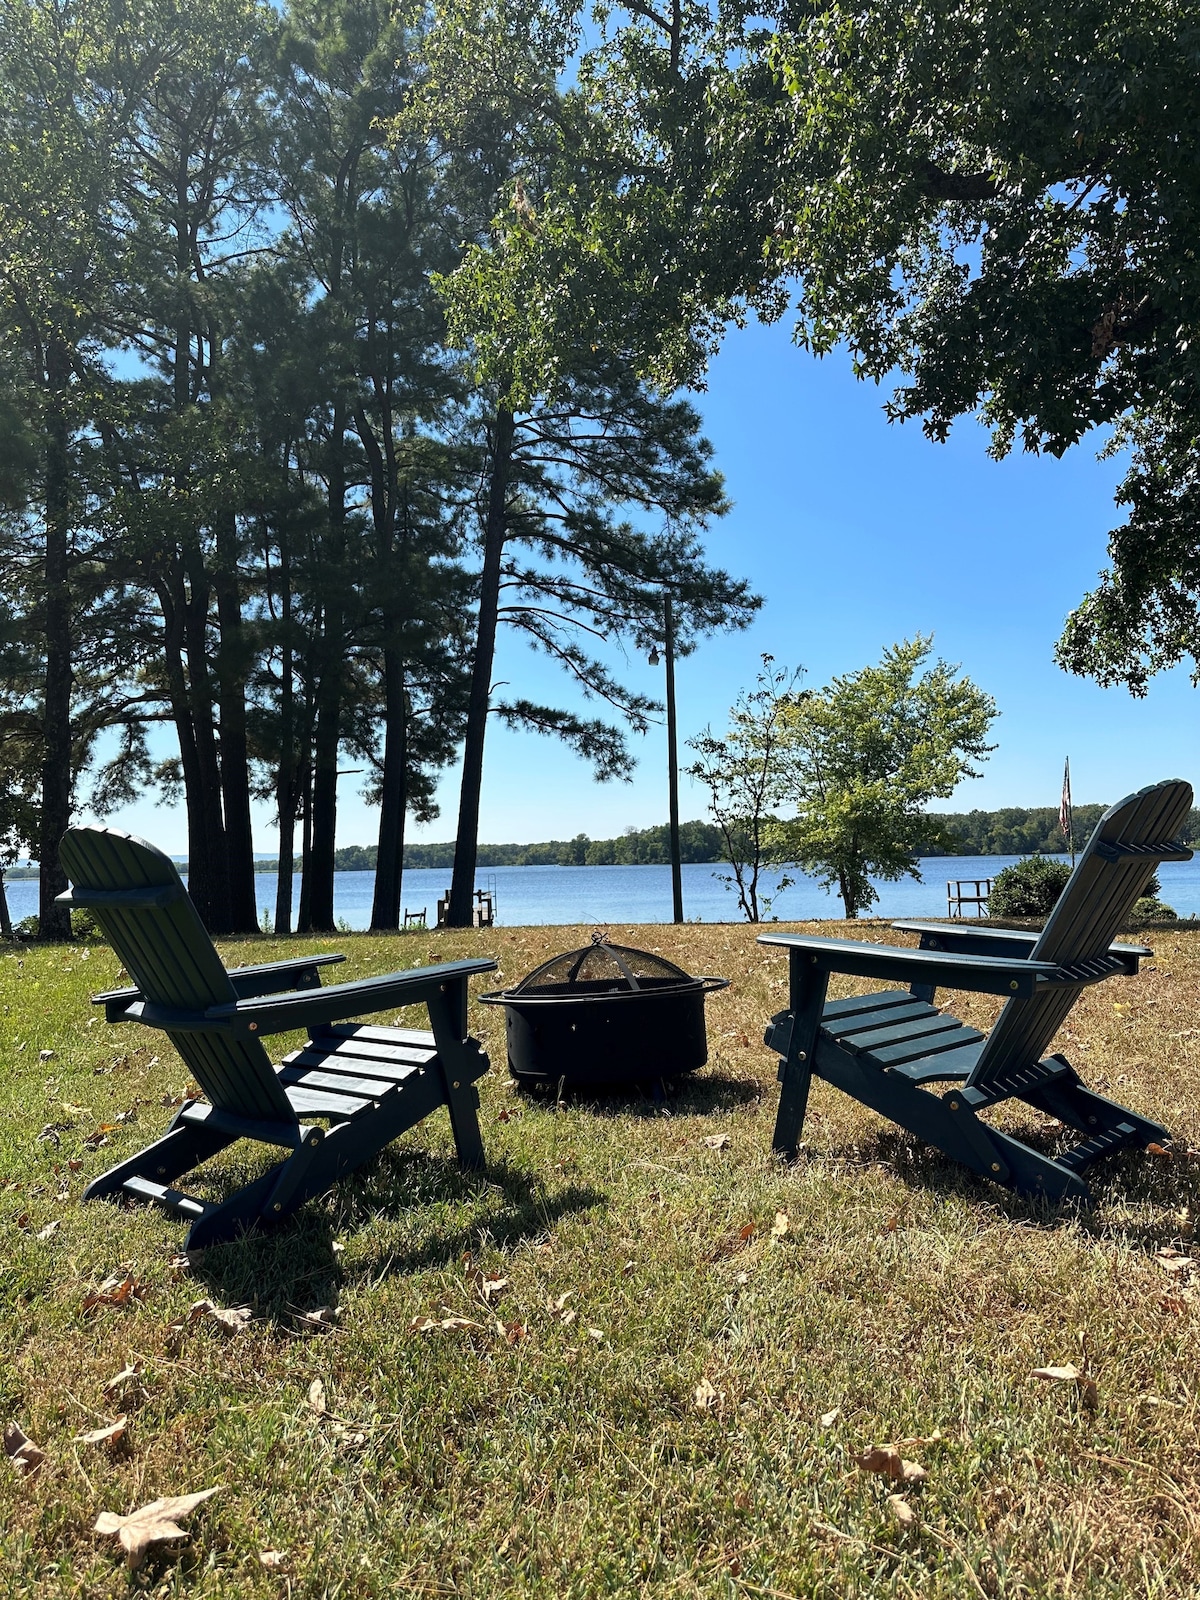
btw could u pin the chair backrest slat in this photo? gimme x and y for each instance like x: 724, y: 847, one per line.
x: 171, y: 959
x: 1087, y: 918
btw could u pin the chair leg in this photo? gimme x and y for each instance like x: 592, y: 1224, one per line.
x: 461, y: 1060
x: 808, y: 986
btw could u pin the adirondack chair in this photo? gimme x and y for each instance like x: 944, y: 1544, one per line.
x: 368, y: 1084
x: 885, y: 1048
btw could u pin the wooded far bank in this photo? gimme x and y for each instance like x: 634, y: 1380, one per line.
x: 1012, y: 831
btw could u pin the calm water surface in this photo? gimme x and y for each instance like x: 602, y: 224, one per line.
x: 528, y: 895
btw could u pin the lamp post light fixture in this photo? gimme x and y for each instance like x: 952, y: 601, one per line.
x: 672, y: 761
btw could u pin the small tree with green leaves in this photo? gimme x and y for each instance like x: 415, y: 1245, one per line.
x: 862, y: 759
x: 741, y: 771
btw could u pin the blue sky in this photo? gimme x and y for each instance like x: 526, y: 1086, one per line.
x: 858, y: 533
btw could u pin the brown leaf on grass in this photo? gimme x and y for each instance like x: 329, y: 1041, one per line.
x: 828, y: 1418
x: 780, y: 1226
x: 900, y: 1510
x: 1070, y: 1373
x: 150, y: 1524
x: 492, y: 1287
x: 323, y: 1320
x: 127, y: 1375
x: 109, y: 1435
x: 1155, y: 1149
x: 50, y: 1229
x: 514, y: 1332
x: 716, y: 1141
x: 230, y: 1320
x: 889, y: 1463
x: 115, y: 1291
x: 559, y: 1308
x: 447, y: 1324
x: 316, y: 1397
x: 1172, y: 1261
x: 20, y: 1449
x: 706, y: 1396
x: 272, y: 1559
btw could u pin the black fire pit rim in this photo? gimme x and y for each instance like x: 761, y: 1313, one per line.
x: 688, y: 985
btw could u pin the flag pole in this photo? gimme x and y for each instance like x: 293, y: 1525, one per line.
x: 1066, y: 820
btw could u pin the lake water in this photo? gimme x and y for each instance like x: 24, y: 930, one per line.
x: 595, y: 895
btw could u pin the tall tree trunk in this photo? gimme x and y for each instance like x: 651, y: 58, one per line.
x: 235, y: 751
x: 54, y: 921
x: 286, y: 788
x: 466, y: 846
x: 319, y: 872
x: 389, y: 863
x: 211, y: 844
x: 304, y: 917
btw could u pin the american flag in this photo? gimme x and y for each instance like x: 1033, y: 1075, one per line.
x: 1064, y: 807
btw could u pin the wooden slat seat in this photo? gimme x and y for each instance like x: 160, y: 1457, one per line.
x: 369, y: 1084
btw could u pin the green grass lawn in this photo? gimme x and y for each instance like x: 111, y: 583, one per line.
x: 665, y: 1350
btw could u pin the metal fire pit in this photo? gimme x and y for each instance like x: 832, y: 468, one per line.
x: 605, y: 1015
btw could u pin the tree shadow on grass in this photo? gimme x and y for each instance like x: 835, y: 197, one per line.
x: 1138, y: 1196
x: 692, y: 1096
x: 293, y: 1269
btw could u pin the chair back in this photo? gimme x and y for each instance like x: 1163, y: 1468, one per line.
x: 137, y: 896
x: 1129, y: 841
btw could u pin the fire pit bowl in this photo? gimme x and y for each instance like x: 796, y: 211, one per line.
x: 604, y: 1016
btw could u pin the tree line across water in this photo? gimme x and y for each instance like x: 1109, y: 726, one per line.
x: 1012, y: 831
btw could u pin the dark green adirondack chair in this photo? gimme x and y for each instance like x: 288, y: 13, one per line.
x: 886, y: 1048
x: 368, y: 1084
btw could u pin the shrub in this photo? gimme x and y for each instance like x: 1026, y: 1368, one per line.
x: 1151, y: 909
x: 1028, y: 889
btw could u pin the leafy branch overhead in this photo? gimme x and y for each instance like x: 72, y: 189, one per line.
x: 998, y: 204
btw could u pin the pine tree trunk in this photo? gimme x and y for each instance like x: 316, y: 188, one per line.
x: 466, y: 847
x: 389, y: 863
x: 318, y: 876
x: 54, y: 921
x: 211, y: 846
x: 286, y: 787
x: 235, y: 752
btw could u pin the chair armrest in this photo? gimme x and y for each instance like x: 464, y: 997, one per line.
x: 272, y: 977
x: 300, y: 972
x: 981, y: 974
x: 1004, y: 942
x: 280, y: 1013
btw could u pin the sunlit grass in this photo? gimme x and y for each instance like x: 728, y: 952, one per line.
x: 532, y: 1452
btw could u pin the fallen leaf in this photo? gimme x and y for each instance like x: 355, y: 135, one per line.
x: 889, y: 1463
x: 109, y: 1435
x: 828, y: 1418
x: 706, y: 1395
x: 514, y: 1332
x: 716, y: 1141
x: 20, y: 1449
x: 272, y: 1559
x: 1173, y: 1261
x: 1155, y: 1149
x: 597, y: 1334
x: 50, y: 1228
x: 492, y: 1288
x: 900, y: 1510
x: 450, y: 1324
x: 230, y: 1319
x: 780, y: 1226
x: 129, y: 1374
x: 115, y: 1291
x: 1070, y: 1373
x: 323, y: 1320
x: 316, y: 1397
x: 150, y: 1524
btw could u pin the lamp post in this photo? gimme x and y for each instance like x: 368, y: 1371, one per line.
x: 672, y: 762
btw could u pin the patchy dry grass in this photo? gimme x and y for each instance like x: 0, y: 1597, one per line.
x: 532, y: 1452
